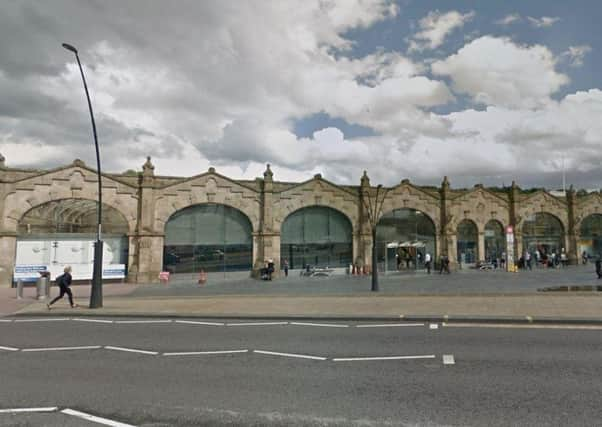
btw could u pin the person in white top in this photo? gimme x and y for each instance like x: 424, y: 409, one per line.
x: 427, y: 262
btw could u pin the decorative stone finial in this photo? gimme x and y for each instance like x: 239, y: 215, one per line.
x: 445, y: 183
x: 514, y: 186
x: 365, y: 180
x: 148, y: 168
x: 2, y: 160
x: 212, y: 170
x: 79, y: 162
x: 405, y: 181
x: 318, y: 176
x: 478, y: 186
x: 268, y: 174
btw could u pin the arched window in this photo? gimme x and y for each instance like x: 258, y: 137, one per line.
x: 495, y: 241
x: 63, y: 232
x: 211, y: 237
x: 403, y: 237
x: 590, y: 235
x: 317, y: 236
x: 467, y: 242
x: 542, y: 232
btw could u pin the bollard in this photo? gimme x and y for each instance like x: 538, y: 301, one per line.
x: 19, y: 289
x: 42, y: 288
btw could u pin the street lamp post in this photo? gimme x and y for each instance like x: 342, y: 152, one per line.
x: 374, y: 208
x: 96, y: 294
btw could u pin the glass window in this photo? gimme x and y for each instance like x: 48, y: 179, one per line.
x: 495, y: 241
x: 590, y: 236
x: 317, y: 236
x: 467, y: 242
x: 209, y: 237
x: 543, y: 232
x: 403, y: 237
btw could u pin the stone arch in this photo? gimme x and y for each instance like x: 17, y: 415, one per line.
x: 205, y: 189
x: 404, y: 236
x: 542, y: 202
x: 325, y: 240
x: 494, y: 242
x: 36, y: 200
x: 590, y: 235
x: 546, y: 233
x: 208, y: 236
x: 406, y: 196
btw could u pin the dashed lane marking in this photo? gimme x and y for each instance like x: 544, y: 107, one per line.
x: 6, y: 320
x: 433, y: 326
x: 25, y: 410
x: 257, y: 324
x: 93, y: 320
x: 194, y: 322
x: 131, y: 350
x: 520, y: 326
x: 9, y: 348
x: 86, y: 347
x: 327, y: 325
x: 143, y: 321
x: 201, y: 353
x: 93, y: 418
x: 448, y: 359
x: 54, y: 319
x: 356, y: 359
x: 386, y: 325
x: 299, y: 356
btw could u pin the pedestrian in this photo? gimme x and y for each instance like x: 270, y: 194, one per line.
x: 528, y: 260
x: 270, y: 268
x: 427, y: 262
x: 441, y: 264
x: 563, y: 259
x: 599, y: 267
x: 537, y: 258
x: 584, y: 257
x: 285, y: 264
x: 503, y: 261
x: 63, y: 282
x: 446, y: 264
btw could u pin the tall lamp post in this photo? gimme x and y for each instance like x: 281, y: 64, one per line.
x: 374, y: 207
x: 96, y: 294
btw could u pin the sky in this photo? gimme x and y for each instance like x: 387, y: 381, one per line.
x: 481, y: 91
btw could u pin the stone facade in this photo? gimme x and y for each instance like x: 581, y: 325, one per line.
x: 147, y: 201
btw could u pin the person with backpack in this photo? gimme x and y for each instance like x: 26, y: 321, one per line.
x: 63, y: 282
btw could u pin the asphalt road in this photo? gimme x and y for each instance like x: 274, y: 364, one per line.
x: 501, y: 376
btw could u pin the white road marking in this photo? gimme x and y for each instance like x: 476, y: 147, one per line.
x: 57, y: 319
x: 434, y: 326
x: 21, y: 410
x: 354, y: 359
x: 9, y: 348
x: 386, y: 325
x: 5, y: 320
x: 257, y: 324
x: 94, y: 418
x: 194, y: 322
x: 142, y: 321
x: 448, y: 359
x: 86, y: 347
x: 195, y: 353
x: 130, y: 350
x: 328, y: 325
x: 300, y: 356
x: 92, y: 320
x: 520, y: 326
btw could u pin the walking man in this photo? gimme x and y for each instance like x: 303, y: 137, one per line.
x: 599, y: 267
x: 285, y: 264
x: 64, y: 281
x: 427, y: 262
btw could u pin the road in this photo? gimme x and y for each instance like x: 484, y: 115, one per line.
x: 291, y: 373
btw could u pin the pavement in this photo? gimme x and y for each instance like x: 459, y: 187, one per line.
x: 468, y: 295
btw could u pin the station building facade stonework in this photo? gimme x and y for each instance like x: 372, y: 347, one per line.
x: 212, y: 221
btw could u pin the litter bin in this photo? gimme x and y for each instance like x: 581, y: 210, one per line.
x: 42, y: 287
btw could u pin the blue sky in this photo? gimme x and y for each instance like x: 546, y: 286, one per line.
x: 481, y: 91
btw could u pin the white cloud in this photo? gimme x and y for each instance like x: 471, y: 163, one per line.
x: 576, y: 54
x: 544, y: 21
x: 497, y: 71
x: 508, y: 19
x: 435, y: 27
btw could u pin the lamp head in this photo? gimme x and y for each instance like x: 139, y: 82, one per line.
x: 69, y: 47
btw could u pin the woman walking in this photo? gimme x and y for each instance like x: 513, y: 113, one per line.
x: 64, y: 281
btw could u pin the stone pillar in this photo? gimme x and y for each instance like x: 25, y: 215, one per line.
x: 150, y: 258
x: 481, y: 246
x: 514, y: 220
x: 448, y: 235
x: 8, y: 253
x: 266, y: 242
x: 572, y: 234
x: 364, y: 257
